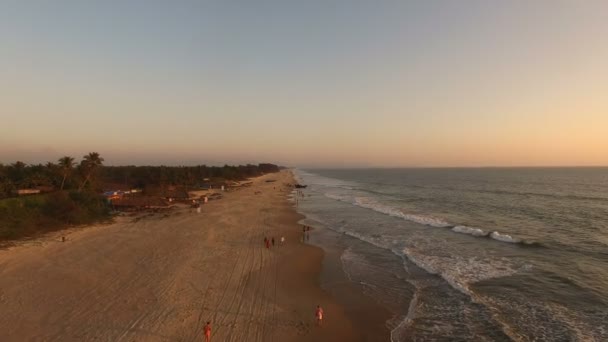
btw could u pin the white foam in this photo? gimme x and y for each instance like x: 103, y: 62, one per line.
x: 370, y: 203
x: 469, y: 230
x: 373, y: 204
x: 504, y: 237
x: 460, y: 272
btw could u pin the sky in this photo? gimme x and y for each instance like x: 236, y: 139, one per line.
x: 315, y: 83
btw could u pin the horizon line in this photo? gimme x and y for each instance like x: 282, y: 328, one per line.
x: 457, y: 167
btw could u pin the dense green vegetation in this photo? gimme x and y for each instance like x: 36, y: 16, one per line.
x: 50, y: 176
x: 91, y: 175
x: 143, y: 177
x: 71, y: 191
x: 27, y: 215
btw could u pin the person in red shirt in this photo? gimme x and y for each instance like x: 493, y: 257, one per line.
x: 207, y: 331
x: 319, y: 315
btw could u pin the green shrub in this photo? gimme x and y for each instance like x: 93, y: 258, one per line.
x: 26, y: 216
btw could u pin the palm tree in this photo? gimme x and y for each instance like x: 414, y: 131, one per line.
x: 5, y: 182
x: 17, y: 173
x: 66, y: 164
x: 89, y: 164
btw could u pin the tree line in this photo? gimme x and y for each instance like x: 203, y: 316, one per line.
x: 90, y: 174
x: 66, y: 174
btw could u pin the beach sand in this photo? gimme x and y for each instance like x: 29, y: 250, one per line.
x: 162, y: 276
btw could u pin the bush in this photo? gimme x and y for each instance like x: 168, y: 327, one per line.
x: 26, y: 216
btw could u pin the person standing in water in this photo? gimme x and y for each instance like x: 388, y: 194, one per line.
x: 207, y: 331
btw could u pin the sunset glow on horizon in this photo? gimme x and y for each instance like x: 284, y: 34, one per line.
x: 312, y: 84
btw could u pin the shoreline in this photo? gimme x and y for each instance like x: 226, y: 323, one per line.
x: 161, y: 277
x: 362, y: 310
x: 368, y: 316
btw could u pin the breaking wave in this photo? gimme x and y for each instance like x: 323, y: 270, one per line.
x: 458, y: 271
x: 469, y: 230
x: 370, y: 203
x: 504, y: 237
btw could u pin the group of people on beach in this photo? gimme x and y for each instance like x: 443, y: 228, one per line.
x: 305, y: 235
x: 270, y: 242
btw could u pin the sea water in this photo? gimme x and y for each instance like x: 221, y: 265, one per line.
x: 488, y: 254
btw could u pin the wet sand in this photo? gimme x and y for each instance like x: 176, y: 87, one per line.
x: 161, y: 277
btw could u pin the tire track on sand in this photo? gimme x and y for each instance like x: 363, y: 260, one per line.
x: 248, y: 265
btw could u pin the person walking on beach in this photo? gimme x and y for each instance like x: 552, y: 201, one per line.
x: 319, y: 315
x: 272, y: 241
x: 267, y: 242
x: 207, y: 331
x: 282, y: 240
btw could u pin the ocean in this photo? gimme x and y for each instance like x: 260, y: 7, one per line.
x: 470, y: 254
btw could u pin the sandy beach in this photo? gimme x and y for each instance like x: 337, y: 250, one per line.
x: 160, y: 277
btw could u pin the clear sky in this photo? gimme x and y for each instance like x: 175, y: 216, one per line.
x: 306, y: 83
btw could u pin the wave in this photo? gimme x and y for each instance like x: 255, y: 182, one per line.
x: 469, y: 230
x: 459, y: 272
x: 498, y: 236
x: 509, y: 239
x: 366, y: 202
x: 504, y: 238
x: 370, y: 203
